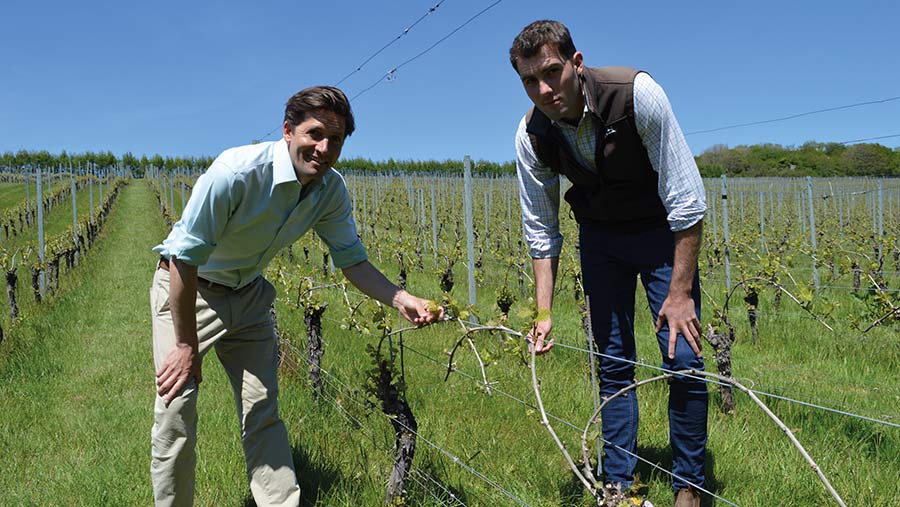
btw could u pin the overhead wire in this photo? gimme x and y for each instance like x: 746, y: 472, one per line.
x: 389, y: 74
x: 793, y: 116
x: 870, y: 139
x: 395, y: 39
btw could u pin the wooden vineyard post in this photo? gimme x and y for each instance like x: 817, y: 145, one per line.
x: 727, y: 235
x: 880, y: 226
x: 841, y: 213
x: 91, y: 196
x: 470, y: 232
x: 434, y: 238
x: 42, y: 282
x: 762, y: 222
x: 812, y: 231
x: 27, y: 173
x: 74, y: 215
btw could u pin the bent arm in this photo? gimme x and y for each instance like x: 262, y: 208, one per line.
x: 678, y: 309
x: 182, y: 362
x: 374, y: 284
x: 183, y: 302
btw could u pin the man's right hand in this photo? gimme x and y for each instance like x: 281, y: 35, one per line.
x: 182, y: 363
x: 539, y: 336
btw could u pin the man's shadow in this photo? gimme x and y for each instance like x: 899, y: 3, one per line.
x: 572, y: 491
x: 314, y: 478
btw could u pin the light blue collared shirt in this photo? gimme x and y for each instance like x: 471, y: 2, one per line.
x: 247, y: 206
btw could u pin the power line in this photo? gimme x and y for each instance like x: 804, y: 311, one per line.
x: 389, y: 74
x: 395, y: 39
x: 799, y: 115
x: 869, y: 139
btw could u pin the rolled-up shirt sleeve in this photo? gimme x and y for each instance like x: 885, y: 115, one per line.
x: 338, y: 230
x: 539, y: 198
x: 680, y: 185
x: 194, y: 237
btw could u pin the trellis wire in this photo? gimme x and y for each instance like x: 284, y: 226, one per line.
x: 360, y: 426
x: 570, y: 425
x: 443, y: 451
x: 783, y: 398
x: 554, y: 417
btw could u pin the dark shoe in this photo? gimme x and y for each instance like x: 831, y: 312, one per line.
x: 687, y: 497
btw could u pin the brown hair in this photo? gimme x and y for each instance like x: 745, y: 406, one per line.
x: 319, y: 97
x: 534, y: 36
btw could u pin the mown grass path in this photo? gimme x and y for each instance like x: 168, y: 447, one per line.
x: 76, y: 376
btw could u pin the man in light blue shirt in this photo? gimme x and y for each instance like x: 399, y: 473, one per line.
x: 209, y: 291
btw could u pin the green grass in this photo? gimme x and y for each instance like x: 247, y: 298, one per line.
x: 76, y: 393
x: 12, y: 194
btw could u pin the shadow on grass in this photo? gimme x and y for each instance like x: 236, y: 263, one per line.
x: 428, y: 482
x: 572, y: 492
x: 662, y: 456
x: 314, y: 478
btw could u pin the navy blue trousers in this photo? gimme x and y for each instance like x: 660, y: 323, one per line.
x: 611, y: 261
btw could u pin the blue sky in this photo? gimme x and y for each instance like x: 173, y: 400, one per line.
x: 194, y: 78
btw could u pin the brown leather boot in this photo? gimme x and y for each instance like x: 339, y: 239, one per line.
x: 687, y: 497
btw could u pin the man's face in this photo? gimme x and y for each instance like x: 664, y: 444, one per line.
x: 552, y: 83
x: 315, y: 144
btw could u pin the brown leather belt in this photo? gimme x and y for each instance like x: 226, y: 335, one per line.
x: 164, y: 265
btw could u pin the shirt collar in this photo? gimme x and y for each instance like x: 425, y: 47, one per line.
x: 283, y: 171
x: 283, y: 168
x: 566, y: 125
x: 587, y: 110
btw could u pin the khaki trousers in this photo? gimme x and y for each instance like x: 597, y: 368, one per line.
x: 238, y: 324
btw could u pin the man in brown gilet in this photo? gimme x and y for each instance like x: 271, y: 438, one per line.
x: 639, y: 202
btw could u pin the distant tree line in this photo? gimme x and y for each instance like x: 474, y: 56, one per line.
x: 43, y: 158
x: 426, y: 166
x: 809, y: 159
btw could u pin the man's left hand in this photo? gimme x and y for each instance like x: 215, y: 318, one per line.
x: 420, y: 312
x: 678, y: 311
